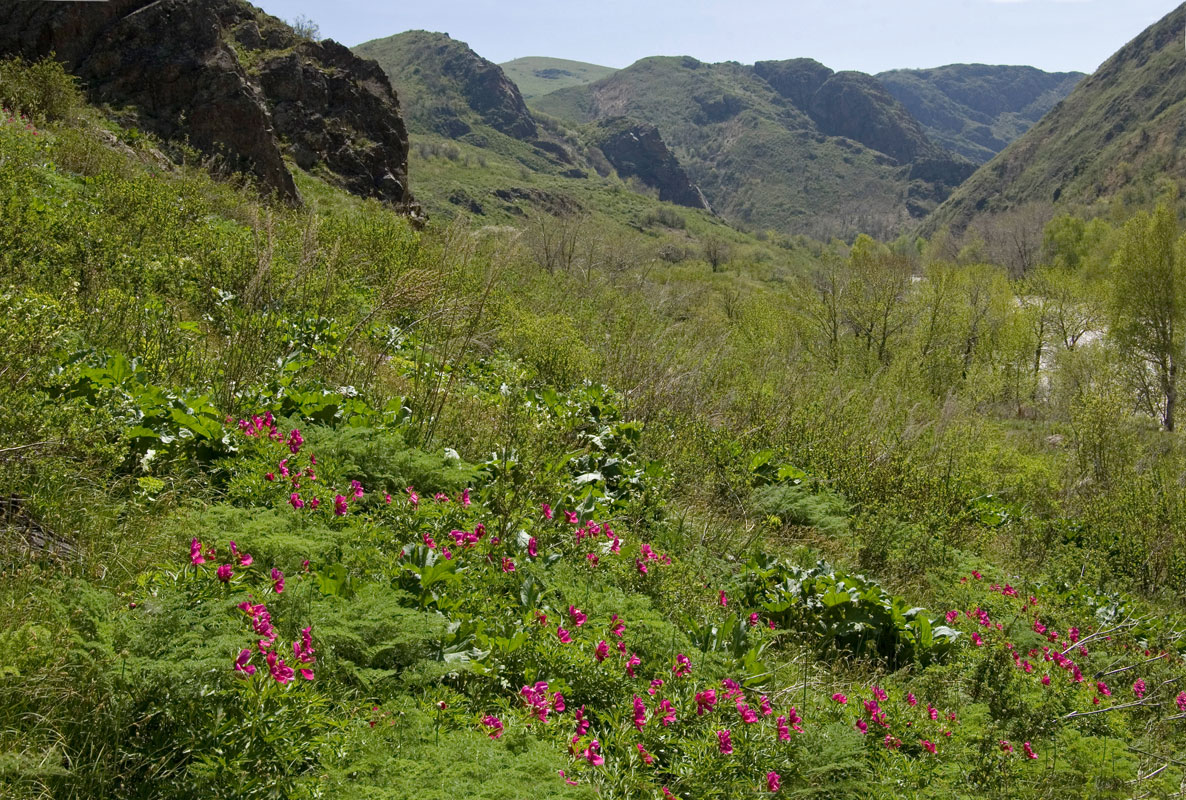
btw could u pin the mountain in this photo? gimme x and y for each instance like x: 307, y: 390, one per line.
x: 636, y: 150
x: 537, y: 75
x: 1120, y: 132
x: 976, y: 110
x: 240, y: 86
x: 447, y: 87
x: 789, y: 146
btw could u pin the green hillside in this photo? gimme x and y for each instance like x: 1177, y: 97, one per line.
x: 537, y: 75
x: 761, y: 159
x: 976, y: 110
x: 1119, y: 135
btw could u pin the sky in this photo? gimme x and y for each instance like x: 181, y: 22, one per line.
x: 866, y: 35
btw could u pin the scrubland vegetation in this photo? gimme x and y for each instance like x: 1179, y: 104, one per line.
x: 309, y: 503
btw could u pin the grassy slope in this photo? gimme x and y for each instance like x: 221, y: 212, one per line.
x: 116, y: 675
x: 538, y: 75
x: 976, y: 110
x: 1117, y: 135
x: 757, y: 158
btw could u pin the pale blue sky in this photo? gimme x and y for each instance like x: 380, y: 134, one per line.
x: 869, y: 35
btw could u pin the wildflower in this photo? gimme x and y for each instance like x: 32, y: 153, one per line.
x: 582, y: 723
x: 339, y: 505
x: 705, y: 701
x: 578, y: 616
x: 558, y: 703
x: 441, y: 497
x: 541, y: 618
x: 839, y: 698
x: 494, y: 724
x: 911, y: 700
x: 892, y: 742
x: 225, y: 572
x: 295, y: 440
x: 667, y: 795
x: 880, y: 694
x: 616, y: 547
x: 952, y: 616
x: 753, y: 619
x: 356, y: 489
x: 531, y: 548
x: 1180, y: 700
x: 765, y: 706
x: 747, y: 714
x: 295, y: 501
x: 640, y: 713
x: 1139, y: 689
x: 569, y: 781
x: 862, y: 726
x: 547, y: 509
x: 656, y: 684
x: 642, y: 567
x: 932, y: 712
x: 429, y: 542
x: 647, y: 758
x: 413, y: 498
x: 725, y: 742
x: 976, y: 575
x: 784, y: 733
x: 1103, y: 689
x: 1029, y: 751
x: 724, y: 600
x: 1006, y: 747
x: 195, y: 553
x: 387, y: 498
x: 1073, y: 635
x: 536, y: 697
x: 619, y: 627
x: 314, y: 503
x: 633, y: 662
x: 601, y: 651
x: 773, y: 782
x: 269, y: 477
x: 280, y: 672
x: 1045, y: 680
x: 241, y: 664
x: 303, y: 650
x: 465, y: 501
x: 277, y: 581
x: 593, y: 558
x: 683, y: 667
x: 564, y: 636
x: 592, y: 756
x: 976, y: 640
x: 927, y: 745
x: 572, y: 518
x: 507, y: 565
x: 668, y: 712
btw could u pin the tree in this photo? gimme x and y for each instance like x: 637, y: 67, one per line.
x: 1149, y: 303
x: 716, y: 252
x: 875, y: 305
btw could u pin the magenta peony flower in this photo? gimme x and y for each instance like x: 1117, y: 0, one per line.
x: 547, y: 509
x: 564, y: 636
x: 241, y: 664
x: 532, y: 551
x: 578, y: 616
x: 633, y: 662
x: 195, y: 553
x: 773, y: 782
x: 725, y: 742
x: 640, y: 713
x: 705, y: 701
x: 494, y: 724
x: 295, y: 440
x: 927, y: 745
x: 339, y: 505
x: 225, y: 572
x: 840, y: 698
x: 1029, y: 751
x: 601, y: 651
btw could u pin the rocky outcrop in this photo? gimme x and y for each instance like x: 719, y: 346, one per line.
x: 449, y: 87
x: 230, y: 81
x: 635, y: 149
x: 796, y: 79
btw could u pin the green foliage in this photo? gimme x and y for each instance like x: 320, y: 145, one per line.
x: 42, y: 91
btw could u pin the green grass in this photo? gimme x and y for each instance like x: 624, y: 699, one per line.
x: 538, y: 75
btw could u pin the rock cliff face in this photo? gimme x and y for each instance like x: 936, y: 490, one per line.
x: 448, y: 87
x: 232, y: 82
x: 635, y: 149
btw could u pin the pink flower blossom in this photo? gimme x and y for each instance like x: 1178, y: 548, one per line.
x: 413, y: 498
x: 1029, y: 751
x: 753, y: 619
x: 195, y: 553
x: 582, y: 722
x: 547, y: 509
x: 668, y: 710
x: 656, y: 685
x: 1006, y: 747
x: 725, y: 742
x: 932, y: 712
x: 705, y: 701
x: 593, y: 559
x: 241, y: 664
x: 531, y: 548
x: 507, y: 565
x: 280, y: 672
x: 356, y: 489
x: 572, y: 518
x: 927, y: 745
x: 225, y: 572
x: 683, y: 667
x: 647, y: 758
x: 784, y: 733
x: 441, y: 497
x: 952, y: 616
x: 564, y: 636
x: 578, y: 616
x: 911, y: 700
x: 494, y: 724
x: 387, y: 498
x: 631, y: 663
x: 619, y: 627
x: 773, y: 782
x: 1180, y: 701
x: 880, y: 694
x: 640, y: 713
x: 592, y: 756
x: 1139, y: 689
x: 465, y: 501
x: 295, y: 440
x: 764, y: 704
x: 976, y: 640
x: 840, y: 698
x: 1103, y: 689
x: 339, y: 505
x: 862, y: 726
x: 723, y: 599
x: 277, y: 581
x: 747, y: 714
x: 295, y: 501
x: 601, y: 651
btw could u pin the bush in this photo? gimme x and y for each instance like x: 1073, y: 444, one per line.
x: 42, y: 91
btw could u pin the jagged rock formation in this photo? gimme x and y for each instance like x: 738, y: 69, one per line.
x: 635, y: 149
x: 1122, y: 130
x: 976, y: 110
x: 232, y: 82
x: 448, y: 88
